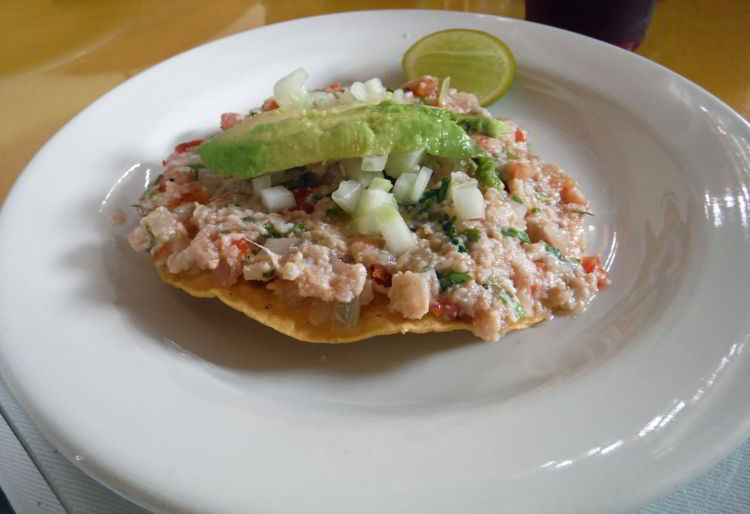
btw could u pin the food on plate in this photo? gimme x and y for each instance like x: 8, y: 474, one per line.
x: 342, y: 213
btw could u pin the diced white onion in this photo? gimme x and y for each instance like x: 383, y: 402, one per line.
x: 381, y: 183
x: 403, y: 187
x: 444, y: 90
x: 359, y: 91
x: 322, y: 99
x: 347, y: 195
x: 277, y: 198
x: 280, y: 245
x: 371, y: 199
x: 375, y: 90
x: 366, y: 224
x: 290, y: 91
x: 468, y: 202
x: 459, y: 178
x: 398, y: 96
x: 374, y: 162
x: 420, y: 184
x: 401, y: 162
x: 261, y: 183
x: 398, y: 237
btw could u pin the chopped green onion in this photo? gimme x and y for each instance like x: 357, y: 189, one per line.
x: 536, y: 210
x: 516, y: 199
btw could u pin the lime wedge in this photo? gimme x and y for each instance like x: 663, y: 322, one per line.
x: 475, y: 61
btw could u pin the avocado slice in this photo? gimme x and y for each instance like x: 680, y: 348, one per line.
x: 283, y: 139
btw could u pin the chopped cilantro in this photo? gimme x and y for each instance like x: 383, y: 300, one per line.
x: 472, y: 234
x: 432, y: 196
x: 448, y: 280
x: 442, y: 193
x: 521, y: 235
x: 507, y: 299
x: 516, y: 199
x: 273, y: 232
x: 554, y: 251
x: 298, y: 228
x: 536, y: 210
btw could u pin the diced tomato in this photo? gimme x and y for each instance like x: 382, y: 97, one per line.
x: 270, y: 104
x: 591, y: 263
x: 302, y: 197
x: 381, y: 275
x: 242, y: 245
x: 333, y: 86
x: 444, y: 310
x: 189, y: 144
x: 520, y: 136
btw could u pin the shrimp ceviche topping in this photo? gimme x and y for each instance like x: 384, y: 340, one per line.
x: 358, y: 210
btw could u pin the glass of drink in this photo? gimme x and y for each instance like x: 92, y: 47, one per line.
x: 620, y: 22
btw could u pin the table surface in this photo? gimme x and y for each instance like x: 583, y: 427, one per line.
x: 61, y: 55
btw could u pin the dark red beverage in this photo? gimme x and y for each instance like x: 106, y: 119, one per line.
x: 620, y: 22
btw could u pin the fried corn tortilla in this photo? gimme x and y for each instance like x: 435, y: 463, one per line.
x: 260, y: 304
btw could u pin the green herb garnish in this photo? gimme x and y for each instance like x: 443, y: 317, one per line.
x: 521, y: 235
x: 507, y: 299
x: 542, y: 197
x: 448, y: 280
x: 225, y: 231
x: 536, y: 210
x: 554, y: 251
x: 472, y: 234
x: 516, y: 199
x: 273, y: 232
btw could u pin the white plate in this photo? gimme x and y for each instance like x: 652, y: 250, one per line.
x: 184, y: 405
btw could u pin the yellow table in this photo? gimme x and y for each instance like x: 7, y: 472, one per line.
x: 59, y: 56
